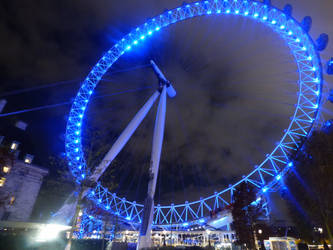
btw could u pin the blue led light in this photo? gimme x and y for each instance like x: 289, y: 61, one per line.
x: 99, y: 200
x: 284, y: 27
x: 83, y: 176
x: 93, y: 192
x: 185, y: 224
x: 128, y: 218
x: 290, y: 164
x: 202, y: 220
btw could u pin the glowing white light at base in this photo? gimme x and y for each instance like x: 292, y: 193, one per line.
x: 49, y: 232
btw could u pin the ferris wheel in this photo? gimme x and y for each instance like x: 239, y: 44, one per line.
x: 267, y: 175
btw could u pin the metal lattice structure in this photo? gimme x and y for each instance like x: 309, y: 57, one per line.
x: 89, y: 225
x: 268, y: 173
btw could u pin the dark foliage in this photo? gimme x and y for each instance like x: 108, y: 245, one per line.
x: 309, y: 189
x: 245, y: 215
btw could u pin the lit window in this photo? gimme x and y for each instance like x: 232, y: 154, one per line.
x: 28, y: 158
x: 2, y: 181
x: 12, y: 200
x: 14, y: 145
x: 6, y: 169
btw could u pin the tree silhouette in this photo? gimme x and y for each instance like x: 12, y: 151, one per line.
x: 245, y: 214
x: 309, y: 190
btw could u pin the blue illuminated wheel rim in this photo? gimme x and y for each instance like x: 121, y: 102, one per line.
x: 276, y: 164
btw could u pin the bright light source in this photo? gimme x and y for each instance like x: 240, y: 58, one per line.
x: 2, y: 181
x: 6, y: 169
x: 14, y: 145
x: 50, y: 232
x: 260, y: 231
x: 264, y: 189
x: 185, y: 224
x: 278, y: 177
x: 28, y: 159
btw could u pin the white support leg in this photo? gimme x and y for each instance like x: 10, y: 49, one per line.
x: 66, y: 212
x: 123, y: 138
x: 144, y: 240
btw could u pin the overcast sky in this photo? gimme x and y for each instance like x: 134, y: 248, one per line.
x: 236, y: 84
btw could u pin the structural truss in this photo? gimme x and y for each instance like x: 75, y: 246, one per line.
x: 268, y: 173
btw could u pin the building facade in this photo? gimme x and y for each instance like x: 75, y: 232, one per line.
x: 19, y: 188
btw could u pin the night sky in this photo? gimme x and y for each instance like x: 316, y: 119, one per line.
x: 235, y: 79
